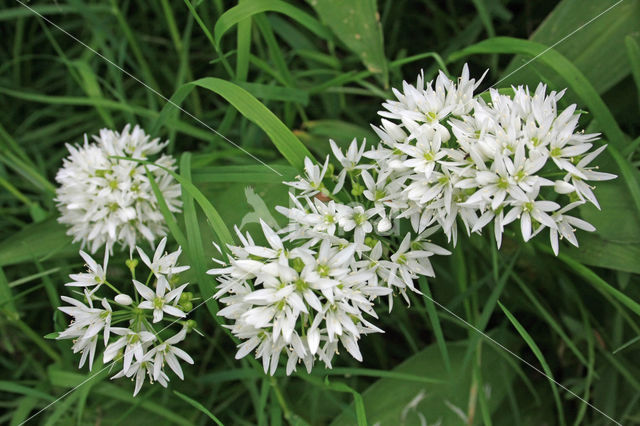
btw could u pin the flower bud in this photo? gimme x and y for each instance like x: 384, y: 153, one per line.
x: 123, y: 299
x: 131, y: 264
x: 384, y: 225
x: 562, y: 187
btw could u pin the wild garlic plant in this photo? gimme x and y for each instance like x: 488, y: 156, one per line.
x: 140, y: 323
x: 106, y: 200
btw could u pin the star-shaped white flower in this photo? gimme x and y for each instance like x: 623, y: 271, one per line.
x: 163, y: 264
x: 159, y: 301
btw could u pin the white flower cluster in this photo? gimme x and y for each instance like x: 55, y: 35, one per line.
x: 106, y: 200
x: 128, y: 329
x: 306, y: 293
x: 364, y: 232
x: 449, y: 155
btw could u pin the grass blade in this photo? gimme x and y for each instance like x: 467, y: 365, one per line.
x: 536, y: 351
x: 195, y: 404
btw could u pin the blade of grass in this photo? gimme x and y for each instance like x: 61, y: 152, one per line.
x: 247, y: 9
x: 633, y: 52
x: 361, y: 415
x: 212, y: 214
x: 195, y: 404
x: 194, y: 241
x: 175, y: 230
x: 538, y: 353
x: 435, y: 322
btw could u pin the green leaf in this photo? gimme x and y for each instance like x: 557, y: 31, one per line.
x: 199, y: 407
x: 243, y: 174
x: 284, y: 140
x: 218, y: 225
x: 247, y: 9
x: 37, y: 241
x: 616, y: 242
x: 13, y: 387
x: 276, y: 93
x: 194, y: 246
x: 593, y: 279
x: 359, y: 408
x: 357, y: 25
x: 633, y: 53
x: 175, y: 230
x: 594, y: 49
x: 6, y: 297
x: 538, y: 353
x: 393, y: 401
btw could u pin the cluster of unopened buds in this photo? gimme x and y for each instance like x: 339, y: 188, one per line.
x: 359, y: 230
x: 138, y: 323
x: 445, y: 158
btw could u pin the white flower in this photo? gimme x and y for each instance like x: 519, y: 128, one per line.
x: 87, y: 320
x: 356, y: 219
x: 138, y: 343
x: 312, y: 183
x: 163, y: 263
x: 527, y: 208
x: 349, y: 162
x: 159, y: 301
x: 566, y: 226
x: 106, y: 200
x: 134, y: 343
x: 141, y: 368
x: 169, y: 353
x: 96, y: 275
x: 583, y: 172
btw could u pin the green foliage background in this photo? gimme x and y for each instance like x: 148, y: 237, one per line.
x: 278, y: 78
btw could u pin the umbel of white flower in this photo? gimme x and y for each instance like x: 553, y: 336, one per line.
x: 105, y: 200
x: 310, y: 292
x: 454, y: 158
x: 126, y: 324
x: 445, y: 158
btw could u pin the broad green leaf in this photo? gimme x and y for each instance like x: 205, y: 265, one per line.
x: 357, y: 25
x: 37, y: 241
x: 244, y: 174
x: 633, y: 53
x: 194, y: 241
x: 394, y: 401
x: 276, y: 93
x: 595, y: 49
x: 284, y: 140
x: 358, y: 402
x: 247, y: 9
x: 616, y: 242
